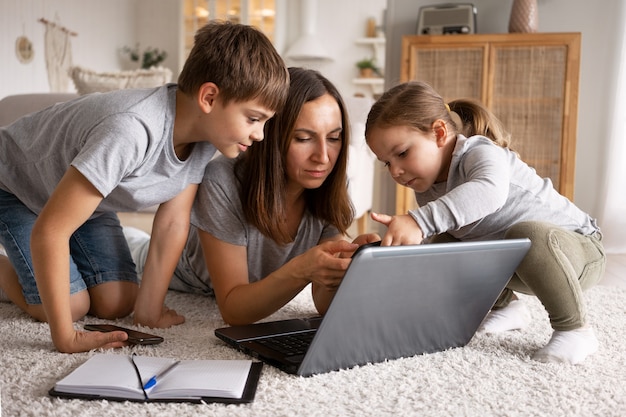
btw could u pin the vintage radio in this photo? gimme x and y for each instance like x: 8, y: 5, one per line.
x: 446, y: 19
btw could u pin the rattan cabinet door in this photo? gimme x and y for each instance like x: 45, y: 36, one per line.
x: 453, y: 71
x: 528, y: 93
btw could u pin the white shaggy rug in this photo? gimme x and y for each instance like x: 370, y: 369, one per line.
x: 492, y: 376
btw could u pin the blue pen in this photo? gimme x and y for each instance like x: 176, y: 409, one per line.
x: 152, y: 381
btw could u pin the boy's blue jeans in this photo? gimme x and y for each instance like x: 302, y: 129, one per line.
x: 98, y: 250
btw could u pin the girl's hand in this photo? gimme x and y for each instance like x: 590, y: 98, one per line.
x: 401, y: 230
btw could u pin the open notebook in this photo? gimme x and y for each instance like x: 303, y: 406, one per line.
x: 393, y: 302
x: 126, y: 378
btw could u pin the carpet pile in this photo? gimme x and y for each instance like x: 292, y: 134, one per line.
x: 492, y: 376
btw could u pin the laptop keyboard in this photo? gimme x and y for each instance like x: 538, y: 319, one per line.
x: 289, y: 344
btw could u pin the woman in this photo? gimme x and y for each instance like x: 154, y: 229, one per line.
x: 266, y: 225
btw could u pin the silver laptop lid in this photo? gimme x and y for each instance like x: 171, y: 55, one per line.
x: 401, y: 301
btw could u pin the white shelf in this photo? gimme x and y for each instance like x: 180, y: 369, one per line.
x: 369, y: 81
x: 378, y: 45
x: 371, y: 41
x: 376, y: 83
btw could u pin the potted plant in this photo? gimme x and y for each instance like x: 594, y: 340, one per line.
x: 151, y: 57
x: 367, y: 67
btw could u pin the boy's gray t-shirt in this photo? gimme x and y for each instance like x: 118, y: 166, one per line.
x: 218, y: 211
x: 121, y: 141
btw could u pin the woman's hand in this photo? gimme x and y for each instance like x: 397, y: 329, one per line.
x: 401, y: 230
x: 361, y: 240
x: 323, y: 264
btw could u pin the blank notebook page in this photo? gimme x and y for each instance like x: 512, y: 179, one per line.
x: 197, y: 378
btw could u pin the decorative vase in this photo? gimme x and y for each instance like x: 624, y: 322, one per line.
x: 524, y: 17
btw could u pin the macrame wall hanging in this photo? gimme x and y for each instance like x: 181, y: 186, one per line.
x: 58, y: 51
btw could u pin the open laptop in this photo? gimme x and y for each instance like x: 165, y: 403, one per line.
x: 393, y: 302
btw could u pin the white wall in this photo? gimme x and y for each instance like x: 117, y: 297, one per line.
x: 102, y: 26
x: 339, y: 24
x: 159, y: 25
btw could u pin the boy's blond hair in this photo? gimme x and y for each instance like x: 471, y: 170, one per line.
x: 240, y: 60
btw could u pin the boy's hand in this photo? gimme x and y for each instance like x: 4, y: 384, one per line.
x: 81, y: 341
x: 401, y: 230
x: 168, y: 318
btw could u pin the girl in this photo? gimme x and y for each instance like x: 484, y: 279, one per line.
x: 271, y: 222
x: 470, y: 186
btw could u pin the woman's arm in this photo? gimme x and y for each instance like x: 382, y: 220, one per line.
x: 73, y: 201
x: 242, y: 302
x: 169, y: 236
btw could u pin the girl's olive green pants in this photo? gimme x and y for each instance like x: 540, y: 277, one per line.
x: 559, y: 265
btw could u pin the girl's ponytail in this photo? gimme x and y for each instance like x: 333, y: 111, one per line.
x: 476, y: 119
x: 418, y: 105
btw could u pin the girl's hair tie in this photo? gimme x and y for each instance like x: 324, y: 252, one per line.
x: 447, y: 107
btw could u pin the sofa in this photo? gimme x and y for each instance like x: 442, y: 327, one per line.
x: 14, y: 106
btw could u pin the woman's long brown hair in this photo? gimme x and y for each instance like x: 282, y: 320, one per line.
x: 262, y: 169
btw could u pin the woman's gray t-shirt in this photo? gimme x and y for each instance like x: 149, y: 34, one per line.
x: 121, y: 141
x: 218, y: 211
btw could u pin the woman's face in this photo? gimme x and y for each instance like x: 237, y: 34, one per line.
x: 316, y: 143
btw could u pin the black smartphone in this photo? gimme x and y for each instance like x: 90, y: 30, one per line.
x: 365, y: 245
x: 135, y: 337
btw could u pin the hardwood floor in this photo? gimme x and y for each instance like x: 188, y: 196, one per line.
x: 615, y: 274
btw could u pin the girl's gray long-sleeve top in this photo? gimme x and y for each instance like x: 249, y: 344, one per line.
x: 488, y: 190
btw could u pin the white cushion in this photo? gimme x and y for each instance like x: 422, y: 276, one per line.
x: 88, y: 81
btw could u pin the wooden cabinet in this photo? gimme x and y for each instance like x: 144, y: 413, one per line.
x: 530, y: 82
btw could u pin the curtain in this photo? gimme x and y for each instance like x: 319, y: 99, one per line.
x: 613, y: 204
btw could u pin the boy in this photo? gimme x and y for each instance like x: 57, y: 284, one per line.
x: 66, y: 170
